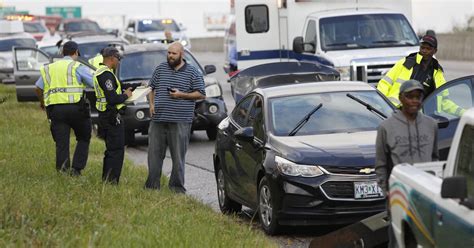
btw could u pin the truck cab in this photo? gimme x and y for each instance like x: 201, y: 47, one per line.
x: 362, y: 44
x: 432, y: 204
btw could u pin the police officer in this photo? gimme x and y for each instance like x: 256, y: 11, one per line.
x: 423, y: 67
x: 96, y: 60
x: 110, y: 99
x: 60, y: 90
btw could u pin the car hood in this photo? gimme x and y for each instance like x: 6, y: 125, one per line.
x: 357, y: 149
x: 158, y: 35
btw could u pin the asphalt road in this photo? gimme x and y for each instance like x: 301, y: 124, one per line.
x: 199, y: 177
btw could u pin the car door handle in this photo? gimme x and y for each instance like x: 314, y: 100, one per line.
x: 439, y: 215
x: 238, y: 146
x: 24, y: 77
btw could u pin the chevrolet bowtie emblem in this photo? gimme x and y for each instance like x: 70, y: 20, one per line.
x: 366, y: 170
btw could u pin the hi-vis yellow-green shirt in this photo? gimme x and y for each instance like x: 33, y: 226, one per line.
x: 101, y: 103
x: 60, y: 83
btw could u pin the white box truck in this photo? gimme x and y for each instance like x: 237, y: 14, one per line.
x: 362, y: 39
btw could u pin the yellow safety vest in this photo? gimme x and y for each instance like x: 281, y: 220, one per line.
x: 101, y: 102
x: 60, y: 83
x: 390, y: 84
x: 95, y: 61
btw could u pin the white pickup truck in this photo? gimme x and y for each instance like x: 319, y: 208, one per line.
x: 432, y: 204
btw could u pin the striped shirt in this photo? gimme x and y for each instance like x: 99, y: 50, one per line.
x: 187, y: 79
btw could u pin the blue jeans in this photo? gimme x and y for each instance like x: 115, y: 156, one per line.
x: 162, y: 135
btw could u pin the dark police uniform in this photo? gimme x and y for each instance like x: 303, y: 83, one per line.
x: 110, y: 105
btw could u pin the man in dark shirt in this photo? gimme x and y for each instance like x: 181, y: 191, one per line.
x: 109, y: 103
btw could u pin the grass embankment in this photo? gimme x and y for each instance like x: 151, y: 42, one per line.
x: 42, y: 208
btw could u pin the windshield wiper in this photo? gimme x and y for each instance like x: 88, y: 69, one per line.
x: 134, y: 79
x: 368, y: 106
x: 386, y: 41
x: 304, y: 120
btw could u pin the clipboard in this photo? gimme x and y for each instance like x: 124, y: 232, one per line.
x: 138, y: 94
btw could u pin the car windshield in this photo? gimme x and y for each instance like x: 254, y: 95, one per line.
x: 338, y: 114
x: 141, y: 65
x: 34, y: 27
x: 157, y: 25
x: 89, y: 50
x: 366, y: 31
x: 81, y: 27
x: 50, y: 50
x: 6, y: 45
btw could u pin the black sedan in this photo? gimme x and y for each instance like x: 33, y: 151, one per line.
x: 302, y: 154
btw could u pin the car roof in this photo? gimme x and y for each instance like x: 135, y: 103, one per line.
x: 270, y: 69
x: 350, y: 11
x: 134, y: 48
x: 90, y: 38
x: 315, y: 87
x: 68, y: 20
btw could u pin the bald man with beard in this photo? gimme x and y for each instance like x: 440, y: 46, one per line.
x: 176, y: 85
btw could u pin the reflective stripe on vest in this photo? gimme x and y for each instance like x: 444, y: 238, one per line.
x: 101, y: 102
x: 60, y: 83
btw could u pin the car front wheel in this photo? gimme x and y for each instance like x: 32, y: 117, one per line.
x: 266, y: 208
x: 227, y: 205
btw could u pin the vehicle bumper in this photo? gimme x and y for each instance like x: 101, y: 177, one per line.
x: 203, y: 118
x: 303, y: 201
x: 137, y: 118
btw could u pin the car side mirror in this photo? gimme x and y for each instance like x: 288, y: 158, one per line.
x: 210, y: 69
x: 298, y: 44
x: 443, y: 122
x: 454, y: 187
x: 244, y: 134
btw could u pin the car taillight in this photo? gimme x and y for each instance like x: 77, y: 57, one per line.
x: 38, y: 37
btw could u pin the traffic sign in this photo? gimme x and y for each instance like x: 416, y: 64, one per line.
x: 65, y: 12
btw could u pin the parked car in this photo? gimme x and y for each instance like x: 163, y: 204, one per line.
x: 37, y: 28
x: 304, y: 154
x: 11, y: 34
x: 136, y: 68
x: 279, y: 73
x: 29, y: 61
x: 154, y: 31
x: 78, y: 25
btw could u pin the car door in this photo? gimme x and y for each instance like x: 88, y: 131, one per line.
x: 26, y: 70
x: 461, y: 93
x: 454, y: 223
x: 233, y: 156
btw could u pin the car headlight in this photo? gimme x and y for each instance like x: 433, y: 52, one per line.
x: 144, y: 41
x: 213, y: 109
x: 291, y: 169
x: 140, y: 114
x: 213, y: 90
x: 184, y: 42
x: 345, y: 72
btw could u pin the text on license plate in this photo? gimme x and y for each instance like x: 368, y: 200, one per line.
x: 367, y: 190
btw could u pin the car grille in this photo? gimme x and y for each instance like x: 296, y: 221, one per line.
x: 351, y: 170
x: 370, y: 73
x: 339, y: 189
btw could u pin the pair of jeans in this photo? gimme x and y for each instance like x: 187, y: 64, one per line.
x: 163, y: 135
x: 65, y: 117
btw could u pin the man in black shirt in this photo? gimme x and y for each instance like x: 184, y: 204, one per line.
x: 110, y: 99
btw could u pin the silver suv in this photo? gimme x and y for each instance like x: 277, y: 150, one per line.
x: 155, y: 31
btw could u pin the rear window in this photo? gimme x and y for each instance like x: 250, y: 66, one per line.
x: 7, y: 45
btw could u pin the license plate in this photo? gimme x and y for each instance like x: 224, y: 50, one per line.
x: 363, y: 190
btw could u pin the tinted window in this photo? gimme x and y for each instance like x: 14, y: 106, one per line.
x: 240, y: 112
x: 256, y: 19
x: 6, y: 45
x: 256, y: 117
x: 366, y: 31
x: 81, y: 27
x: 338, y: 113
x: 450, y: 102
x: 89, y: 50
x: 141, y: 65
x: 310, y: 36
x: 50, y: 50
x: 157, y: 25
x: 465, y: 158
x: 33, y: 27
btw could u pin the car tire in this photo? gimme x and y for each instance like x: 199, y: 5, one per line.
x: 227, y: 205
x: 266, y: 208
x: 129, y: 138
x: 211, y: 133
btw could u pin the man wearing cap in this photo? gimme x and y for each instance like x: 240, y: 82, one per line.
x: 110, y: 104
x: 60, y: 90
x: 408, y: 136
x: 423, y: 67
